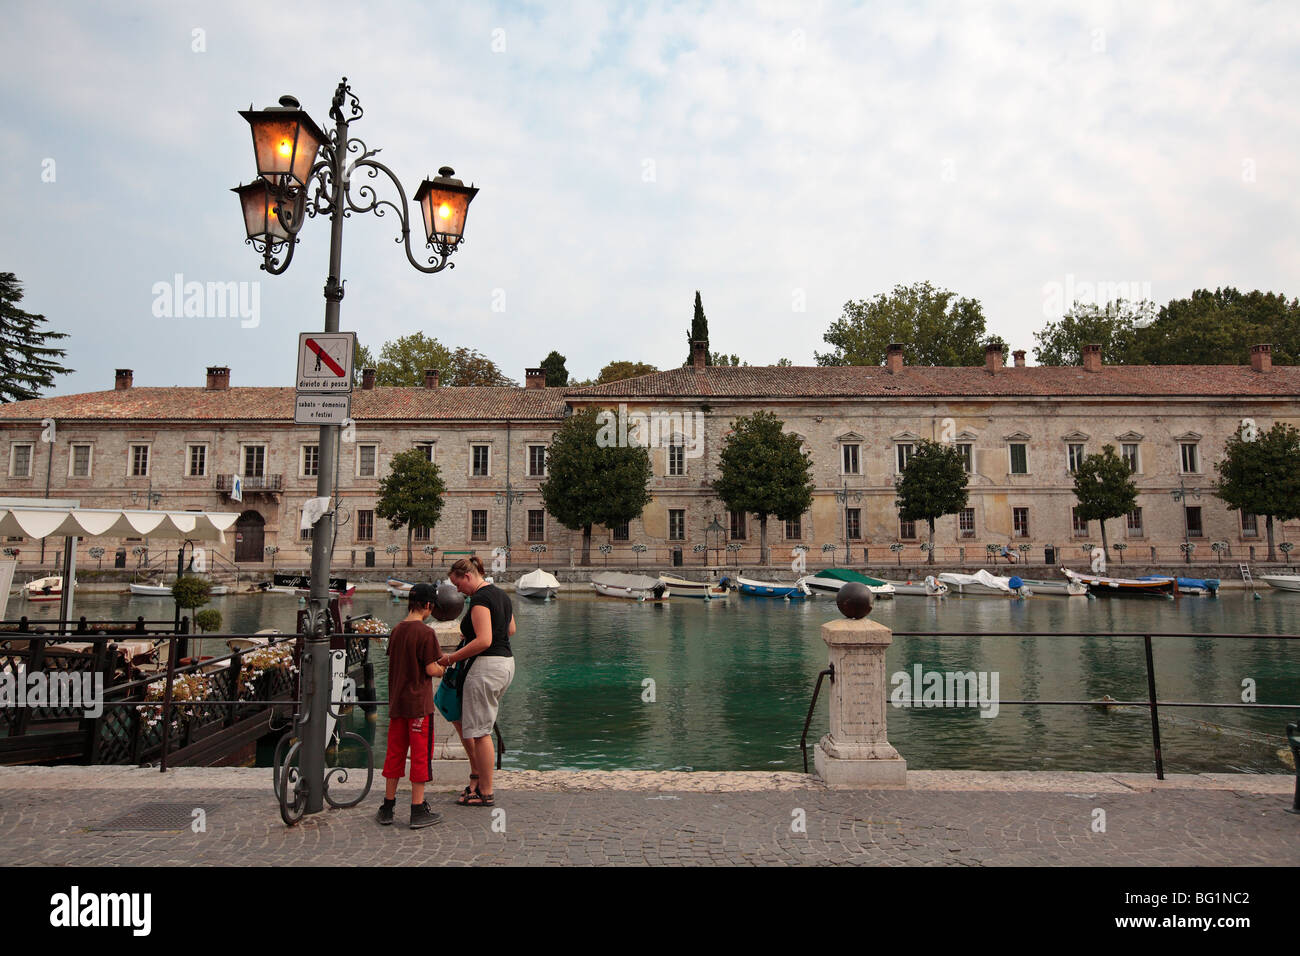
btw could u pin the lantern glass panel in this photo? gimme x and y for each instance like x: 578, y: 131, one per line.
x: 444, y: 214
x: 285, y: 146
x: 260, y: 220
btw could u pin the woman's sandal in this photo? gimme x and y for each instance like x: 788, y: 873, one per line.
x: 470, y: 789
x: 478, y: 799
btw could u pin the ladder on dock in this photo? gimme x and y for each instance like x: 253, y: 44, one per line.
x: 1245, y: 575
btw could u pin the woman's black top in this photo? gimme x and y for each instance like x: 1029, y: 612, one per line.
x: 498, y: 604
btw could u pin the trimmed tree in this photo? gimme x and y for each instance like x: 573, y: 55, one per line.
x: 410, y: 495
x: 1104, y: 488
x: 556, y: 373
x: 591, y: 479
x: 764, y: 471
x: 27, y: 363
x: 1260, y: 474
x: 932, y: 485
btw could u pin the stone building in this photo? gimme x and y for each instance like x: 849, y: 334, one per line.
x: 1020, y: 429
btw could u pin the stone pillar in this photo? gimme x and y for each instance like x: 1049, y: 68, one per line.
x: 450, y: 764
x: 856, y: 754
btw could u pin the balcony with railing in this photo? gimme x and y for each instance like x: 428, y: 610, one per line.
x: 253, y: 484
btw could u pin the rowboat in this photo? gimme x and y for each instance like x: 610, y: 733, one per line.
x: 399, y: 589
x: 1101, y: 584
x: 151, y: 590
x: 705, y: 590
x: 1282, y: 582
x: 44, y: 589
x: 635, y: 587
x: 1207, y: 587
x: 794, y: 592
x: 1056, y: 588
x: 930, y: 587
x: 832, y: 579
x: 538, y: 584
x: 982, y: 584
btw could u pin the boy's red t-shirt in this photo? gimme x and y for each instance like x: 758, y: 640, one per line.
x: 411, y: 648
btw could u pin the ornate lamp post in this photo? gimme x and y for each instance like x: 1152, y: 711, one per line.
x: 303, y: 172
x: 844, y: 496
x: 1180, y: 495
x: 715, y: 528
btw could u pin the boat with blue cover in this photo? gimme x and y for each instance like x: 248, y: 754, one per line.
x: 773, y: 589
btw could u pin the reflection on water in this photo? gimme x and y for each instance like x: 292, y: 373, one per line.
x: 732, y: 680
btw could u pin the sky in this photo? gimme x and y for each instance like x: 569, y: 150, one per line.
x: 780, y: 157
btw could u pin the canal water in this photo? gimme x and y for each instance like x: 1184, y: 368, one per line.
x: 687, y: 685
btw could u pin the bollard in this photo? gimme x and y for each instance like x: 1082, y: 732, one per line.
x: 856, y: 754
x: 1293, y: 738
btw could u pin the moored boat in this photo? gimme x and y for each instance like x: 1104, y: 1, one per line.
x: 1056, y: 588
x: 930, y: 587
x: 774, y: 589
x: 1282, y: 582
x: 538, y: 584
x: 150, y: 590
x: 398, y: 588
x: 705, y: 590
x: 1103, y: 584
x: 832, y: 579
x: 982, y: 584
x: 635, y: 587
x: 1206, y: 587
x: 44, y: 589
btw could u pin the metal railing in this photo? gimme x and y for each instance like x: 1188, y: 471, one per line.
x: 1152, y: 701
x: 26, y: 625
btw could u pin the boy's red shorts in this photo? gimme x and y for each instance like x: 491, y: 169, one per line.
x: 414, y: 734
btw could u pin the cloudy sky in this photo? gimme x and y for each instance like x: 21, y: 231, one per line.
x: 780, y: 157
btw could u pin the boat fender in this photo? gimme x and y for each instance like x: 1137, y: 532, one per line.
x: 1015, y: 582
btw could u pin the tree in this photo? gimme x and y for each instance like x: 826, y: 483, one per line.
x: 362, y: 358
x: 932, y: 485
x: 471, y: 367
x: 410, y: 494
x: 935, y: 326
x: 784, y: 363
x: 1114, y: 327
x: 764, y: 471
x: 617, y: 371
x: 556, y: 374
x: 591, y: 479
x: 1216, y: 328
x: 403, y: 360
x: 1104, y: 488
x: 27, y: 364
x: 699, y: 332
x: 1260, y: 474
x: 721, y: 358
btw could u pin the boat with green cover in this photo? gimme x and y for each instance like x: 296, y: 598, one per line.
x: 832, y: 579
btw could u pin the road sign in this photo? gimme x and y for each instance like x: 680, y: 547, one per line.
x: 322, y: 409
x: 325, y: 362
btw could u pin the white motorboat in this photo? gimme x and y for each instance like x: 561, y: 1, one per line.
x: 982, y: 584
x: 1283, y: 582
x: 832, y: 579
x: 400, y: 589
x: 930, y: 587
x: 44, y: 589
x: 151, y: 590
x: 538, y: 584
x: 636, y: 587
x: 705, y: 590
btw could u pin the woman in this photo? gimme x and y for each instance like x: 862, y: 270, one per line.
x: 486, y: 631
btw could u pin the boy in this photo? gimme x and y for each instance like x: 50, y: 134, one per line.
x: 413, y: 654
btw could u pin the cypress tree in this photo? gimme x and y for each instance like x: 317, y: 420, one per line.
x: 699, y: 330
x: 27, y: 364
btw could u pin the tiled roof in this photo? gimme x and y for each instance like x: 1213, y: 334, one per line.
x: 760, y: 382
x: 276, y: 404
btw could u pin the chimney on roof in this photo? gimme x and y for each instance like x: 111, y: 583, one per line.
x: 430, y: 378
x: 699, y: 353
x: 367, y: 379
x: 1092, y: 358
x: 992, y: 357
x: 894, y: 357
x: 534, y: 378
x: 1261, y: 358
x: 1019, y: 356
x: 218, y: 377
x: 122, y: 379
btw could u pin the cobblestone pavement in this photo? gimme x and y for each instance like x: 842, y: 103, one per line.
x: 46, y: 819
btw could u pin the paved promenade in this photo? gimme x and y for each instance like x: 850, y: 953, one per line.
x: 55, y: 816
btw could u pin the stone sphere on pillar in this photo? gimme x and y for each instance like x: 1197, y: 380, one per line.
x: 854, y: 600
x: 448, y: 602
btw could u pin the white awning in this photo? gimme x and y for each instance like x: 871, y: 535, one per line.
x: 38, y: 522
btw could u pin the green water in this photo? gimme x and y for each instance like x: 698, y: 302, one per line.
x: 732, y: 680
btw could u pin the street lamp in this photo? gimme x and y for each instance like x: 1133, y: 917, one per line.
x: 844, y: 496
x: 303, y: 172
x: 1180, y: 495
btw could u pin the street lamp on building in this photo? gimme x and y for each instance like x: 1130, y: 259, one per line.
x: 1181, y: 496
x: 303, y: 172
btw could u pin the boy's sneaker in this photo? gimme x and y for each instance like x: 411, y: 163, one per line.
x: 385, y: 814
x: 423, y: 816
